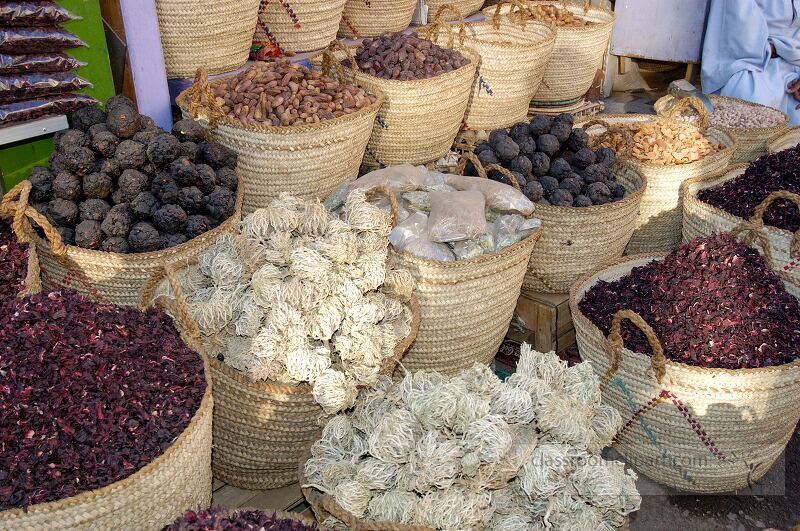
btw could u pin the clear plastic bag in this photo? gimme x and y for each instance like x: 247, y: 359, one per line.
x: 16, y: 87
x: 500, y: 197
x: 23, y: 111
x: 509, y: 229
x: 37, y: 63
x: 411, y: 236
x: 402, y: 178
x: 40, y: 13
x: 457, y: 216
x: 37, y: 40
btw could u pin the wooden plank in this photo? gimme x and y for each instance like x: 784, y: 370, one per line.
x: 563, y: 319
x: 282, y: 499
x: 545, y: 329
x: 566, y: 340
x: 217, y: 484
x: 230, y: 496
x: 551, y: 299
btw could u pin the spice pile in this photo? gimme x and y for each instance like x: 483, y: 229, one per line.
x: 732, y: 113
x: 770, y: 173
x: 89, y: 394
x: 552, y: 162
x: 13, y: 262
x: 298, y: 296
x: 120, y: 184
x: 550, y: 14
x: 406, y: 57
x: 661, y: 142
x: 713, y: 302
x: 283, y: 93
x: 218, y: 519
x: 471, y: 451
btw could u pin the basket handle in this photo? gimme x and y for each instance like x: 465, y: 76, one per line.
x: 483, y: 172
x: 431, y: 32
x: 384, y: 191
x: 202, y: 88
x: 16, y: 203
x: 615, y: 344
x: 611, y: 129
x: 522, y: 15
x: 690, y: 102
x: 752, y: 230
x: 329, y: 60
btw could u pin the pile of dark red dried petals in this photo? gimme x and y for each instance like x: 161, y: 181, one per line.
x: 218, y: 519
x: 13, y: 262
x: 771, y: 173
x: 713, y: 302
x: 89, y: 394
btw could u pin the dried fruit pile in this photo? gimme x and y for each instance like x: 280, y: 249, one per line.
x: 218, y: 519
x: 405, y: 57
x: 283, y: 93
x: 118, y: 183
x: 89, y: 394
x: 560, y: 17
x: 13, y: 262
x: 552, y: 162
x: 770, y: 173
x: 661, y: 142
x: 732, y: 113
x: 713, y: 302
x: 474, y: 452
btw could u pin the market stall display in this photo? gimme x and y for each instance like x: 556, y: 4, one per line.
x: 714, y: 335
x: 370, y: 18
x: 300, y: 25
x: 514, y: 52
x: 666, y: 153
x: 294, y: 130
x: 473, y: 452
x: 221, y: 519
x: 750, y: 124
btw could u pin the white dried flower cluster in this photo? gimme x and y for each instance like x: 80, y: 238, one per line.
x: 300, y: 295
x: 473, y: 452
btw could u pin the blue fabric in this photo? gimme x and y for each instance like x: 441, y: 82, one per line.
x: 736, y: 51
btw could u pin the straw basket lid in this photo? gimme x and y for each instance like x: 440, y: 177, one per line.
x: 787, y: 140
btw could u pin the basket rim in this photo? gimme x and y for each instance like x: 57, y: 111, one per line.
x: 609, y: 16
x: 660, y: 102
x: 629, y: 262
x: 533, y: 43
x: 771, y: 146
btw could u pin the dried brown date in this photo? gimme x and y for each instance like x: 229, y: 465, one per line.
x: 405, y: 57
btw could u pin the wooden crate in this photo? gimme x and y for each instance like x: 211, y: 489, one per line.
x: 288, y: 499
x: 547, y: 321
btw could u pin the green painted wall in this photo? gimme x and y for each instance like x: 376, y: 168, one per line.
x: 16, y: 160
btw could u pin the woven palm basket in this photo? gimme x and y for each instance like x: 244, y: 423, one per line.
x: 658, y: 228
x: 304, y: 160
x: 261, y: 429
x: 299, y: 25
x: 788, y: 139
x: 780, y: 247
x: 369, y: 18
x: 465, y: 8
x: 105, y: 277
x: 514, y: 53
x: 419, y: 119
x: 696, y: 429
x: 211, y: 35
x: 751, y: 143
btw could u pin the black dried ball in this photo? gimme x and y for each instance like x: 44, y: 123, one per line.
x: 197, y: 224
x: 118, y: 221
x: 94, y: 209
x: 207, y: 178
x: 506, y: 149
x: 132, y: 183
x: 549, y: 184
x: 497, y: 135
x: 519, y: 130
x: 190, y: 150
x: 578, y: 139
x: 143, y: 206
x: 540, y: 163
x: 62, y: 212
x: 217, y: 156
x: 148, y: 124
x: 561, y: 131
x: 130, y: 154
x: 598, y: 193
x: 58, y: 162
x: 483, y: 146
x: 583, y: 158
x: 560, y: 168
x: 571, y: 185
x: 605, y: 156
x: 145, y: 137
x: 41, y: 180
x: 543, y: 202
x: 565, y: 118
x: 189, y: 131
x: 527, y: 146
x: 499, y: 177
x: 165, y: 188
x: 540, y: 125
x: 105, y: 144
x: 123, y: 120
x: 548, y: 144
x: 109, y: 167
x: 171, y: 240
x: 163, y: 149
x: 97, y: 129
x: 533, y: 190
x: 220, y: 203
x: 191, y: 199
x: 522, y: 164
x: 488, y: 157
x: 144, y: 238
x: 67, y: 235
x: 79, y: 161
x: 184, y: 171
x: 170, y: 218
x: 522, y: 180
x: 88, y: 234
x: 118, y: 100
x: 582, y: 201
x: 227, y: 177
x: 86, y: 117
x: 617, y: 191
x: 115, y: 245
x: 596, y: 173
x: 560, y: 198
x: 70, y: 139
x: 97, y: 185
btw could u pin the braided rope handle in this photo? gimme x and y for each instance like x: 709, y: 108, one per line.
x: 431, y: 32
x: 615, y: 344
x: 484, y: 171
x: 611, y: 129
x: 16, y: 203
x: 758, y: 215
x: 330, y: 60
x: 690, y: 102
x: 521, y: 15
x: 202, y: 88
x: 384, y: 191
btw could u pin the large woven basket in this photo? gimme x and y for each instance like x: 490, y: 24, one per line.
x: 692, y: 428
x: 299, y: 25
x: 420, y: 118
x: 514, y: 53
x: 368, y: 18
x: 577, y: 55
x: 106, y: 277
x: 787, y: 140
x: 211, y: 35
x: 780, y: 247
x: 303, y: 160
x: 751, y: 143
x: 658, y: 228
x: 465, y: 8
x: 261, y: 428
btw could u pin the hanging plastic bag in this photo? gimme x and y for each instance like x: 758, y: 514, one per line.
x: 37, y: 40
x: 37, y: 63
x: 26, y: 86
x: 411, y: 236
x: 457, y: 216
x: 49, y: 105
x: 39, y: 13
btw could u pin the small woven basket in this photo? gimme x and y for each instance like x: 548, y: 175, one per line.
x: 692, y: 428
x: 303, y: 160
x: 369, y: 18
x: 261, y: 428
x: 786, y: 140
x: 658, y: 228
x: 105, y: 277
x: 514, y: 53
x: 464, y: 7
x: 751, y: 143
x: 781, y: 248
x: 211, y: 35
x: 299, y: 25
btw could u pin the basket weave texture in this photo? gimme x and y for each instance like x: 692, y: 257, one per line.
x: 299, y: 25
x: 212, y: 35
x: 464, y: 7
x: 369, y: 18
x: 658, y: 228
x: 708, y: 430
x: 788, y: 139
